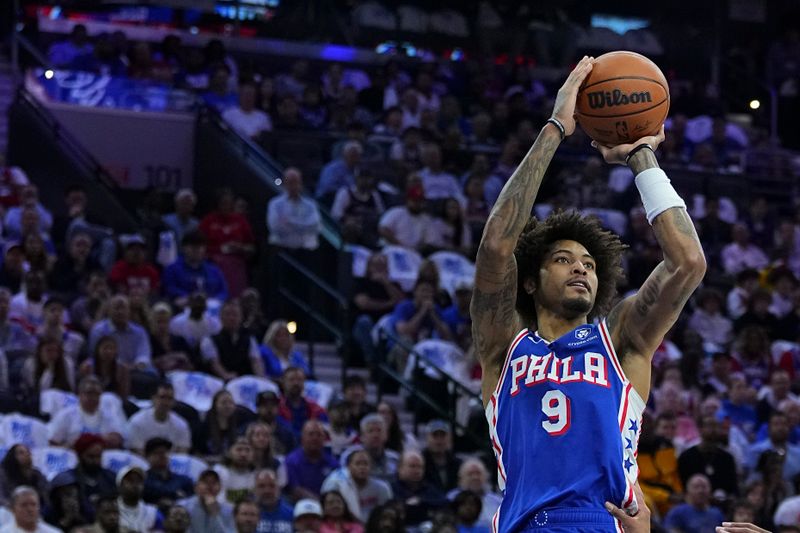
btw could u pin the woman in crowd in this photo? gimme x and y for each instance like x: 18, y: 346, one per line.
x: 397, y: 439
x: 260, y: 438
x: 336, y: 516
x: 220, y: 426
x: 48, y: 368
x: 16, y: 470
x: 278, y: 350
x: 170, y: 352
x: 113, y: 375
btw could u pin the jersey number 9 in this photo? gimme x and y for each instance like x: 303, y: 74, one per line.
x: 555, y: 406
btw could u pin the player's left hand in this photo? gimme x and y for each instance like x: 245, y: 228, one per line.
x: 633, y: 524
x: 616, y: 155
x: 739, y: 527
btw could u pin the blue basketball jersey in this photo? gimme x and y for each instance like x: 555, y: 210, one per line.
x: 564, y: 422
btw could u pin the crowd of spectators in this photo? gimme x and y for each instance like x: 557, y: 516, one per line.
x: 420, y: 161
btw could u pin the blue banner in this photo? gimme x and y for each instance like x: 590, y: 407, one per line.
x: 101, y: 90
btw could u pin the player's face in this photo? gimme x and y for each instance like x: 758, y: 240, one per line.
x: 567, y: 279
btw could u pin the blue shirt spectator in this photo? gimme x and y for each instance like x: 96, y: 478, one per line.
x: 696, y: 515
x: 274, y: 367
x: 132, y: 340
x: 275, y: 514
x: 778, y: 431
x: 63, y: 53
x: 340, y: 172
x: 293, y: 220
x: 309, y: 465
x: 192, y: 272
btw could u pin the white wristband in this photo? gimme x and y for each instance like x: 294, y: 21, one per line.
x: 657, y: 193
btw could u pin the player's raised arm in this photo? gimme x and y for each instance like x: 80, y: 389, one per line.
x: 494, y: 317
x: 639, y: 323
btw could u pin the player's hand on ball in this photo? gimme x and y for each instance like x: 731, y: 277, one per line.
x: 616, y: 155
x: 633, y: 524
x: 739, y: 527
x: 564, y: 109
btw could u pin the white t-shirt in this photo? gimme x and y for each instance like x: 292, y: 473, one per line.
x: 247, y: 124
x: 410, y: 230
x: 143, y: 426
x: 439, y: 185
x: 193, y: 331
x: 788, y: 512
x: 140, y: 518
x: 41, y: 527
x: 235, y: 482
x: 70, y: 423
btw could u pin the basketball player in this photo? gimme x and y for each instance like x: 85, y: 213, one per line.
x: 564, y: 397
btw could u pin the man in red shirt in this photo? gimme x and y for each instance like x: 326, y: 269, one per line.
x: 230, y: 241
x: 134, y: 270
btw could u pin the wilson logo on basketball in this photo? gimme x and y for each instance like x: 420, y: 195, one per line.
x: 601, y: 99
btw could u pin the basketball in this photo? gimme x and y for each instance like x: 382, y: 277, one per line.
x: 624, y: 98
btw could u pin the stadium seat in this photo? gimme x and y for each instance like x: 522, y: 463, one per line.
x: 361, y: 255
x: 20, y: 429
x: 446, y: 355
x: 51, y: 401
x: 186, y: 465
x: 245, y: 389
x: 403, y: 265
x: 453, y: 269
x: 610, y: 219
x: 195, y: 388
x: 374, y: 15
x: 52, y: 460
x: 320, y: 392
x: 116, y: 460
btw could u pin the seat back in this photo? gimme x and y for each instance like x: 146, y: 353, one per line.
x: 51, y: 401
x: 186, y: 465
x: 21, y: 429
x: 116, y: 460
x: 245, y: 390
x: 195, y: 388
x: 52, y: 460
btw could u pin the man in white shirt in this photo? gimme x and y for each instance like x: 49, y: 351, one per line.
x: 87, y: 417
x: 134, y: 514
x: 25, y: 508
x: 741, y: 253
x: 437, y: 183
x: 27, y: 306
x: 159, y: 421
x: 407, y: 225
x: 245, y: 118
x: 293, y: 220
x: 195, y: 323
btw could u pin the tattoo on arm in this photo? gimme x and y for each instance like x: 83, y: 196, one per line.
x: 513, y: 206
x: 492, y: 311
x: 649, y: 293
x: 682, y: 223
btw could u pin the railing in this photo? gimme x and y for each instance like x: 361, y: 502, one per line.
x: 252, y: 151
x: 123, y: 215
x: 455, y: 388
x: 336, y: 327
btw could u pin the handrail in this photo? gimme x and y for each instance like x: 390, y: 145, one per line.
x: 88, y: 161
x: 31, y: 49
x: 316, y: 280
x: 447, y: 412
x: 321, y: 320
x: 410, y: 348
x: 330, y: 228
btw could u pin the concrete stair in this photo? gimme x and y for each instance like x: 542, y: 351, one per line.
x: 328, y: 369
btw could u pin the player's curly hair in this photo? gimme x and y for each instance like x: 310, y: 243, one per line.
x: 538, y: 237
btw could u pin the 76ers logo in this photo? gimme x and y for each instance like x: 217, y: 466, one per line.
x: 582, y: 333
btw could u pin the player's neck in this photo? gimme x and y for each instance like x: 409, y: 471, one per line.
x: 550, y: 326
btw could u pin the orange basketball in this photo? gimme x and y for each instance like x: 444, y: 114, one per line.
x: 623, y: 99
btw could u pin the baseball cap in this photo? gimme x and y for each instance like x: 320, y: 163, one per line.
x: 307, y: 506
x: 415, y: 193
x: 86, y: 441
x: 131, y: 239
x: 438, y: 425
x: 127, y: 470
x: 266, y: 396
x: 10, y: 245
